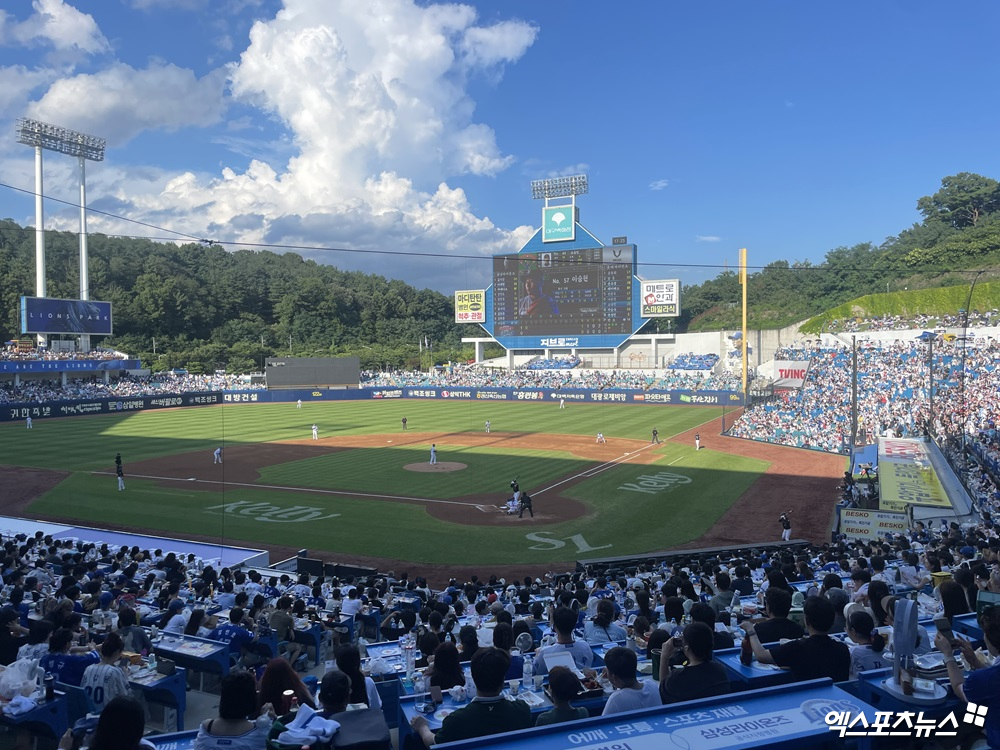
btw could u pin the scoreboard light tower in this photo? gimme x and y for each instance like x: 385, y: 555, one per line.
x: 553, y: 218
x: 41, y: 135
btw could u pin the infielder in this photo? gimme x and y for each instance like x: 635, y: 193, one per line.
x: 487, y: 427
x: 121, y: 478
x: 315, y: 432
x: 697, y: 442
x: 217, y: 455
x: 600, y: 438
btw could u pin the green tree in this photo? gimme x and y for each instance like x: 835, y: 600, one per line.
x: 963, y: 200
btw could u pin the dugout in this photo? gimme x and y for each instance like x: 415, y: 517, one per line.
x: 312, y: 372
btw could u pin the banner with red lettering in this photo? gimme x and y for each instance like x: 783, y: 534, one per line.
x: 790, y: 373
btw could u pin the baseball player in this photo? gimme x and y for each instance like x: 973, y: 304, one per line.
x: 121, y: 478
x: 27, y: 422
x: 298, y: 404
x: 562, y: 403
x: 786, y: 526
x: 217, y: 455
x: 487, y: 427
x: 697, y: 442
x: 403, y: 421
x: 434, y: 454
x: 118, y: 459
x: 600, y: 438
x: 315, y: 432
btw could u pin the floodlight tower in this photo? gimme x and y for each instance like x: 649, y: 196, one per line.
x: 560, y: 187
x: 40, y: 135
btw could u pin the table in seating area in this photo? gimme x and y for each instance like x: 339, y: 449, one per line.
x: 50, y: 718
x: 197, y: 654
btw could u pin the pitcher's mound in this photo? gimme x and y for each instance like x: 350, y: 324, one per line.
x: 441, y: 466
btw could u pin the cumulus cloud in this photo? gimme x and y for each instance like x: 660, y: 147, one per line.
x: 57, y: 24
x: 707, y: 238
x: 373, y: 116
x: 119, y: 102
x: 658, y: 184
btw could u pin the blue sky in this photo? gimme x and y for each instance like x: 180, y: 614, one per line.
x: 789, y: 128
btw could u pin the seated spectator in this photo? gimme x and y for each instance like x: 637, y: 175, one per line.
x: 777, y: 605
x: 134, y: 637
x: 981, y: 685
x: 468, y: 642
x: 278, y: 677
x: 564, y: 622
x: 359, y: 728
x: 120, y: 726
x: 488, y: 713
x: 503, y: 638
x: 701, y: 677
x: 720, y: 638
x: 363, y: 690
x: 12, y: 635
x: 867, y: 654
x: 232, y: 730
x: 602, y: 628
x: 630, y: 694
x: 174, y: 619
x: 283, y: 625
x: 724, y: 595
x: 397, y: 624
x: 233, y: 633
x: 816, y: 655
x: 564, y: 687
x: 427, y: 645
x: 65, y: 661
x: 446, y: 672
x: 198, y: 624
x: 106, y: 680
x: 37, y: 644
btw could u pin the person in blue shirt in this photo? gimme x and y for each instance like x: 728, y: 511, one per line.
x: 233, y: 633
x: 66, y: 662
x: 982, y: 686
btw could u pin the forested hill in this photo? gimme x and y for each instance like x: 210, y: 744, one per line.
x: 960, y: 232
x: 209, y: 308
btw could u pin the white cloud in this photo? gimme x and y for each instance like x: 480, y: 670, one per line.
x: 658, y: 184
x: 120, y: 102
x: 707, y: 238
x: 59, y: 25
x: 376, y: 116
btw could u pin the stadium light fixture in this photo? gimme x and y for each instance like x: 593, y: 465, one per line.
x: 43, y: 136
x: 559, y: 187
x: 65, y: 141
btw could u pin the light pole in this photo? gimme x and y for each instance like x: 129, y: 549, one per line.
x: 40, y: 135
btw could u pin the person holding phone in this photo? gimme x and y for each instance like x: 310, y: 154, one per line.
x: 982, y: 686
x: 702, y: 677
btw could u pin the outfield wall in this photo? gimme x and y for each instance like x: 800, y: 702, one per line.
x: 14, y: 412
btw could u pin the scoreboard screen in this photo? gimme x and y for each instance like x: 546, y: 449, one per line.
x: 564, y: 293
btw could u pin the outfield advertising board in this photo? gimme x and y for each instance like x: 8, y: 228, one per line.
x: 660, y: 299
x: 908, y: 484
x: 870, y: 525
x: 470, y: 306
x: 790, y: 373
x: 13, y: 412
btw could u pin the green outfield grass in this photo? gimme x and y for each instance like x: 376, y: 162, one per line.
x: 623, y: 516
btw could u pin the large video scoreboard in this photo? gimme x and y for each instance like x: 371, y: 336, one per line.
x: 564, y: 293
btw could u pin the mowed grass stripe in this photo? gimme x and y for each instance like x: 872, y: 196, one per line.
x: 629, y: 524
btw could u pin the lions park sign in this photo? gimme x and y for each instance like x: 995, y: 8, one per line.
x: 271, y: 513
x: 653, y: 484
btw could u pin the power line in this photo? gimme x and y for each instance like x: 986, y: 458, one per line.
x: 236, y: 244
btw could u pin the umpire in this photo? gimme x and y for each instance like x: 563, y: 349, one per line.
x: 525, y: 505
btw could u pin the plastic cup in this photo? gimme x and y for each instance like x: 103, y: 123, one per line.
x: 539, y: 681
x: 515, y: 686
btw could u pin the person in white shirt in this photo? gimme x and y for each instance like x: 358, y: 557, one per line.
x: 175, y: 619
x: 105, y: 681
x: 630, y: 694
x: 563, y: 622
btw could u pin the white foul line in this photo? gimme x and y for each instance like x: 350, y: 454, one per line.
x: 594, y: 471
x: 293, y: 489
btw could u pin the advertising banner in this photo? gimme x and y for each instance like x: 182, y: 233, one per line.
x: 48, y: 315
x: 870, y: 525
x: 470, y: 306
x: 905, y: 484
x: 558, y: 223
x: 660, y: 299
x: 790, y: 373
x: 25, y: 366
x: 14, y: 412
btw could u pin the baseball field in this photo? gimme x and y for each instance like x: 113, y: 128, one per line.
x: 366, y: 492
